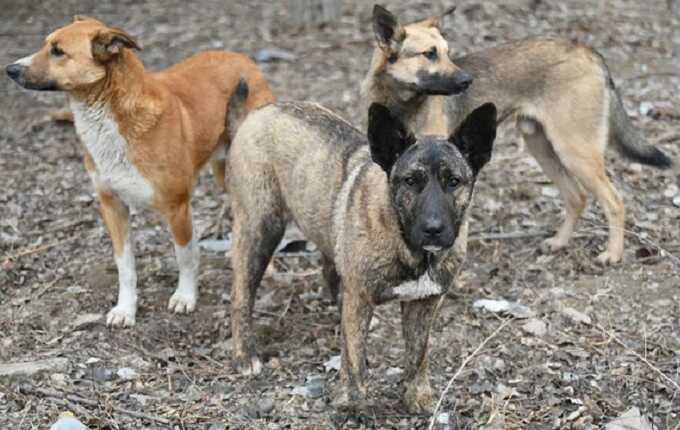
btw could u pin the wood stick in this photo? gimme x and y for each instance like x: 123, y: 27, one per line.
x: 72, y: 398
x: 462, y: 366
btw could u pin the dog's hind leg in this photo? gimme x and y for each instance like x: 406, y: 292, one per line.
x: 218, y: 166
x: 571, y: 191
x: 417, y: 318
x: 257, y: 231
x: 590, y: 171
x: 332, y: 279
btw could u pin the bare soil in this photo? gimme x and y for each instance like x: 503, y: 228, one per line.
x: 619, y: 350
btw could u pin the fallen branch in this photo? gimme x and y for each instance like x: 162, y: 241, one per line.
x: 653, y: 74
x: 640, y: 357
x: 72, y: 398
x: 462, y: 366
x: 508, y: 236
x: 38, y: 249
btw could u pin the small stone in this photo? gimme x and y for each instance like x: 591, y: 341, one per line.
x: 58, y: 379
x: 313, y: 389
x: 576, y: 316
x: 535, y: 327
x: 102, y: 374
x: 333, y: 363
x: 630, y: 420
x: 215, y: 245
x: 127, y: 374
x: 671, y: 191
x: 265, y: 406
x: 85, y: 321
x: 393, y: 374
x: 676, y: 201
x: 141, y: 398
x: 504, y: 306
x: 275, y: 363
x: 31, y: 368
x: 646, y: 108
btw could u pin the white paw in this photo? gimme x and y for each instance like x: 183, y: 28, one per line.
x: 607, y: 258
x: 181, y: 302
x: 250, y: 367
x: 552, y: 244
x: 121, y: 316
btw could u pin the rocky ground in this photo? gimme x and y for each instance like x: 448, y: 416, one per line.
x: 585, y: 345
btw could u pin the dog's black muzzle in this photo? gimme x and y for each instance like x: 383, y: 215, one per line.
x: 18, y: 72
x: 444, y: 85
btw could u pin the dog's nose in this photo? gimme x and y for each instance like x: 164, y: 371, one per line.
x: 433, y: 228
x: 464, y: 80
x: 14, y: 70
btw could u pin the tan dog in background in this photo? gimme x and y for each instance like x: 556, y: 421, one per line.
x: 559, y: 93
x: 146, y: 135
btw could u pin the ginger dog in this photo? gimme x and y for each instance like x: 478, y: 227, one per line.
x: 146, y: 135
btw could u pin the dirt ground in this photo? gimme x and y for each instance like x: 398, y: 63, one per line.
x: 593, y: 344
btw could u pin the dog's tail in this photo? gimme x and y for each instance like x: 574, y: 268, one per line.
x: 237, y: 107
x: 627, y: 138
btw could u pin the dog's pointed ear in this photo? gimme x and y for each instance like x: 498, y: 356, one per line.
x: 437, y: 20
x: 388, y: 137
x: 77, y: 18
x: 388, y: 32
x: 110, y: 42
x: 474, y: 137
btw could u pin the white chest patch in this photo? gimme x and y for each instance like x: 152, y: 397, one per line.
x: 421, y: 288
x: 99, y: 133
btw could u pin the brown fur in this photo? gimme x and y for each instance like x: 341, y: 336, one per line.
x: 558, y: 92
x: 172, y: 121
x: 341, y: 201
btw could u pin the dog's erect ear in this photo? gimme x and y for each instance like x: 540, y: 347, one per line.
x: 110, y: 42
x: 474, y: 137
x: 77, y: 18
x: 388, y: 137
x: 387, y: 30
x: 436, y: 21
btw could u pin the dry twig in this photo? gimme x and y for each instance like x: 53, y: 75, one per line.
x: 462, y: 366
x: 640, y: 357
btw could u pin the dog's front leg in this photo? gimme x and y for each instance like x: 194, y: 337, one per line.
x: 417, y: 318
x: 357, y: 312
x: 188, y: 258
x: 116, y: 218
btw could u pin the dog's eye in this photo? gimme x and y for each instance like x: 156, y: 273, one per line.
x: 56, y: 51
x: 410, y: 181
x: 431, y: 54
x: 452, y: 182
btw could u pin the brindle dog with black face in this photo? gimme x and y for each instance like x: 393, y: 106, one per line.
x: 386, y: 217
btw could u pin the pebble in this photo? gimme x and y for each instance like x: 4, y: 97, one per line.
x: 536, y: 327
x: 265, y: 406
x: 127, y: 373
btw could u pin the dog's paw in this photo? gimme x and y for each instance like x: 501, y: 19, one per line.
x: 349, y: 399
x: 248, y: 366
x: 552, y: 244
x: 607, y: 258
x: 418, y: 398
x: 182, y: 303
x: 121, y: 316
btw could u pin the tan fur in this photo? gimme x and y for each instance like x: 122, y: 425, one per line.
x: 557, y: 89
x: 341, y: 201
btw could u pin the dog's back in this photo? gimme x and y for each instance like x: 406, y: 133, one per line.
x: 302, y: 152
